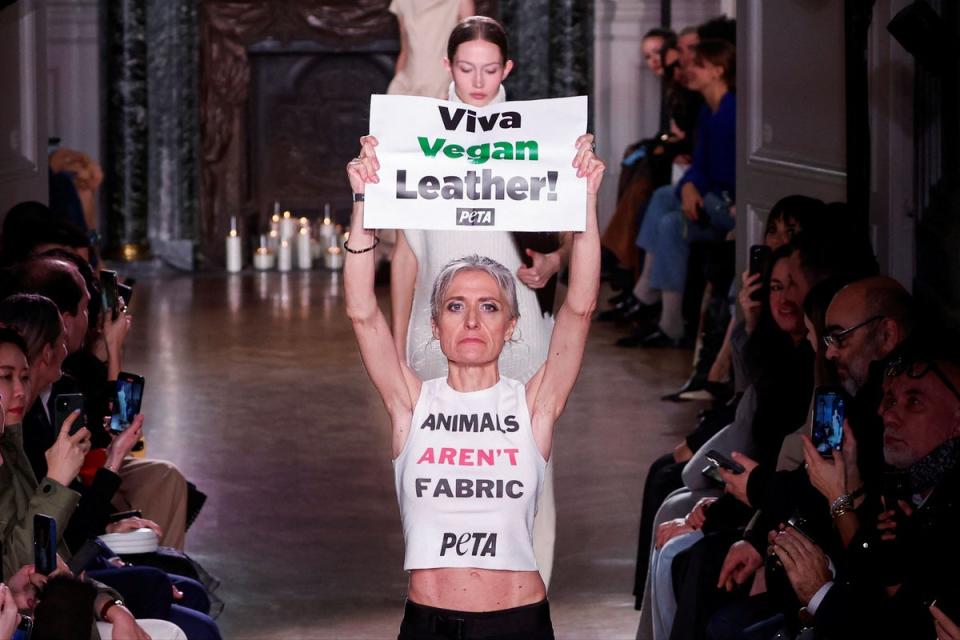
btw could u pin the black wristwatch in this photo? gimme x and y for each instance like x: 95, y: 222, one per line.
x: 358, y: 197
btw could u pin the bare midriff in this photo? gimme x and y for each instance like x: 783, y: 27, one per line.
x: 475, y: 589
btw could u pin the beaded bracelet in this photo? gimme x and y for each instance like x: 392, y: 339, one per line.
x: 376, y: 241
x: 840, y: 506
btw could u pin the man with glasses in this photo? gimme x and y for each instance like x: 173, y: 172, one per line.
x: 865, y: 322
x: 905, y: 556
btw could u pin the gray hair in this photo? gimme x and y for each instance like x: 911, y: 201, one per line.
x: 497, y: 271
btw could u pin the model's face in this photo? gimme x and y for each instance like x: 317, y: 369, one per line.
x: 478, y: 69
x: 474, y: 319
x: 650, y: 50
x: 14, y: 383
x: 785, y: 311
x: 919, y: 414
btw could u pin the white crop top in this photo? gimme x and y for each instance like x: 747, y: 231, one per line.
x: 468, y: 479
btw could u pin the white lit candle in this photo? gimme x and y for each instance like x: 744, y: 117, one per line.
x: 273, y: 241
x: 285, y: 257
x: 327, y: 229
x: 333, y: 259
x: 304, y: 253
x: 234, y: 252
x: 287, y: 226
x: 263, y: 259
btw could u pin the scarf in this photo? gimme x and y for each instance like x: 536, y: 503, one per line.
x: 926, y: 473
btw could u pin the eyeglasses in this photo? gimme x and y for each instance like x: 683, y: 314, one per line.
x: 916, y: 369
x: 836, y: 339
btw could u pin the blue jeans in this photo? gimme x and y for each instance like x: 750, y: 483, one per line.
x: 661, y: 203
x: 674, y: 234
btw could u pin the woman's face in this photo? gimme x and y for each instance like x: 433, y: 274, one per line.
x: 786, y: 313
x: 780, y: 232
x: 474, y: 319
x: 650, y: 50
x: 478, y: 70
x: 702, y: 74
x: 14, y: 383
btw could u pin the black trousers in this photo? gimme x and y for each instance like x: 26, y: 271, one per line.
x: 530, y: 622
x: 663, y: 478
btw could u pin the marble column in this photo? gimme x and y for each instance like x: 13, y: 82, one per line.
x: 125, y: 23
x: 552, y: 45
x: 173, y: 129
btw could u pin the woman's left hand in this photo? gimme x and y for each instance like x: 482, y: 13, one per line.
x: 544, y: 266
x: 588, y: 164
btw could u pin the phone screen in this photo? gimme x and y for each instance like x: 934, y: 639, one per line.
x: 127, y: 403
x: 44, y: 544
x: 828, y: 412
x: 108, y: 283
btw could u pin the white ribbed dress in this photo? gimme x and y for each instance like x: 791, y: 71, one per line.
x: 520, y: 358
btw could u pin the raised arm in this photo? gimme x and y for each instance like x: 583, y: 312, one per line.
x: 467, y: 8
x: 397, y: 385
x: 403, y: 281
x: 548, y: 390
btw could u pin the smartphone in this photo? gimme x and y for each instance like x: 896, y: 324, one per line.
x: 126, y: 404
x: 126, y: 292
x: 759, y: 263
x: 65, y: 404
x: 710, y: 471
x: 123, y: 515
x: 79, y: 561
x: 24, y: 629
x: 722, y: 461
x: 109, y: 291
x: 44, y: 544
x: 829, y: 407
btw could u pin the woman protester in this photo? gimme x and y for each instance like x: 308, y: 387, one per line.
x: 472, y: 568
x: 478, y: 62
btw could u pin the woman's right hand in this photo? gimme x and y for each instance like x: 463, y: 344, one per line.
x: 132, y: 524
x: 123, y: 444
x: 65, y: 457
x: 363, y: 169
x: 751, y: 308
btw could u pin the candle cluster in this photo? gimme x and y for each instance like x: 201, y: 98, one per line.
x: 290, y: 243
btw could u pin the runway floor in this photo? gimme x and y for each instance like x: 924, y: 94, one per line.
x: 254, y: 387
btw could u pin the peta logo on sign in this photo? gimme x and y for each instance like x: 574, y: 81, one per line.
x: 475, y: 217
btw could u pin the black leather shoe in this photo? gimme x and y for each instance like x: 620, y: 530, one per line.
x: 658, y: 340
x: 619, y: 310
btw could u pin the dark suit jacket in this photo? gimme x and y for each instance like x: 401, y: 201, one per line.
x: 926, y: 568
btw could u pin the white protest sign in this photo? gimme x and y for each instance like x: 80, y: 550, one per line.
x: 506, y: 166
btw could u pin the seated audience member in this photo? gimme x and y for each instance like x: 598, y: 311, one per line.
x: 700, y: 207
x: 652, y: 47
x: 904, y: 555
x: 713, y: 366
x: 664, y: 475
x: 155, y: 487
x: 780, y: 366
x: 21, y: 498
x: 786, y: 494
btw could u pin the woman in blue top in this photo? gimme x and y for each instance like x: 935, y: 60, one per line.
x: 700, y: 207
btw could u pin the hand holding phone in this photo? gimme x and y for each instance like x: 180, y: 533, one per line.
x: 64, y: 405
x: 760, y: 255
x: 126, y: 404
x: 723, y: 462
x: 109, y: 291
